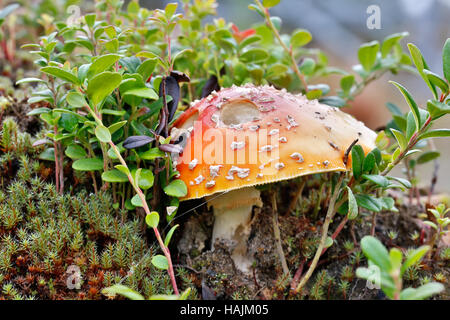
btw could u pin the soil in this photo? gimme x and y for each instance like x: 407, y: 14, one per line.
x: 219, y: 278
x: 18, y: 109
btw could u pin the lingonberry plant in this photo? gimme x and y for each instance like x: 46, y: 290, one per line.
x: 112, y: 83
x: 386, y: 269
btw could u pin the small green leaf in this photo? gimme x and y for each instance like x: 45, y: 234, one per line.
x: 114, y: 175
x: 170, y: 9
x: 300, y: 37
x: 437, y: 109
x: 123, y: 169
x: 152, y: 219
x: 431, y: 224
x: 116, y: 126
x: 352, y: 205
x: 102, y: 133
x: 368, y: 202
x: 90, y: 19
x: 170, y: 234
x: 328, y: 242
x: 76, y: 100
x: 402, y: 181
x: 420, y: 64
x: 48, y: 154
x: 136, y: 174
x: 333, y: 101
x: 151, y: 154
x: 146, y: 68
x: 136, y: 201
x: 160, y: 262
x: 185, y: 294
x: 75, y: 152
x: 249, y: 40
x: 72, y: 113
x: 388, y: 204
x: 28, y: 80
x: 411, y: 127
x: 390, y: 41
x: 446, y: 59
x: 254, y: 7
x: 437, y: 133
x: 347, y: 83
x: 176, y: 188
x: 146, y: 179
x: 377, y: 179
x: 369, y: 162
x: 436, y: 80
x: 401, y: 140
x: 102, y: 85
x: 374, y: 250
x: 307, y: 66
x: 357, y: 160
x: 142, y: 93
x: 270, y: 3
x: 395, y: 257
x: 123, y: 291
x: 88, y: 164
x: 38, y: 111
x: 254, y: 55
x: 61, y: 73
x: 8, y: 9
x: 394, y: 109
x: 428, y: 156
x: 414, y: 257
x: 112, y: 112
x: 102, y: 63
x: 423, y: 292
x: 409, y: 99
x: 367, y: 54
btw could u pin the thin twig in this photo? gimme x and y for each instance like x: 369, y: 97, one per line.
x: 297, y: 195
x: 276, y: 232
x: 330, y: 213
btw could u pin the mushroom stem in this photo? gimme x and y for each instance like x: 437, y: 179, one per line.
x: 233, y: 213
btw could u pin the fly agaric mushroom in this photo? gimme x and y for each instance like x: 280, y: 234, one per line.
x: 241, y: 137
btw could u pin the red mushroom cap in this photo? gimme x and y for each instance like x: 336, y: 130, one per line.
x: 246, y: 136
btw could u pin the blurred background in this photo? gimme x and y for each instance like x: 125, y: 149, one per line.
x: 339, y: 27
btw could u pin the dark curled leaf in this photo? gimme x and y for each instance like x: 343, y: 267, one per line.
x: 210, y: 85
x: 172, y: 89
x: 180, y: 76
x: 137, y: 141
x: 170, y: 148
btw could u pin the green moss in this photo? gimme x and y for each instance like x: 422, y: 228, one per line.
x: 43, y: 233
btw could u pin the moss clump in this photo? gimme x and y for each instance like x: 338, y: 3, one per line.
x: 44, y: 236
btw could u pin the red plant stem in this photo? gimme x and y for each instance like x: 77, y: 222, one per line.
x: 155, y: 230
x: 297, y: 275
x: 56, y: 152
x: 338, y: 230
x: 61, y: 169
x: 55, y: 149
x: 289, y: 51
